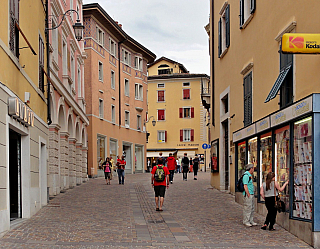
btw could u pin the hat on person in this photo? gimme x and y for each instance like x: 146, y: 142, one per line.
x: 249, y: 166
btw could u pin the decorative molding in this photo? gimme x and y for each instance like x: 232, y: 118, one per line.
x: 223, y: 8
x: 288, y: 29
x: 223, y: 53
x: 247, y: 22
x: 126, y: 104
x: 101, y: 91
x: 247, y: 68
x: 139, y: 109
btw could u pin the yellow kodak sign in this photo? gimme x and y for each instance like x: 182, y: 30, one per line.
x: 296, y: 43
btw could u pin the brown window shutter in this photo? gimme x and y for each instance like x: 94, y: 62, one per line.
x: 165, y: 136
x: 192, y: 135
x: 181, y: 135
x: 180, y: 112
x: 192, y: 112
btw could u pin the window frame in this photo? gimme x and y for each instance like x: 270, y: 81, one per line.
x: 247, y: 99
x: 100, y: 71
x: 101, y: 108
x: 113, y: 80
x: 161, y: 85
x: 163, y: 136
x: 139, y: 122
x: 138, y: 91
x: 186, y: 84
x: 126, y: 87
x: 164, y: 114
x: 164, y: 97
x: 112, y: 47
x: 113, y: 114
x: 224, y: 31
x: 247, y: 9
x: 126, y: 57
x: 287, y: 86
x: 100, y: 36
x: 127, y: 119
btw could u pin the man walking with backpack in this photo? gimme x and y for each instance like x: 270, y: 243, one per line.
x: 159, y: 181
x: 248, y: 197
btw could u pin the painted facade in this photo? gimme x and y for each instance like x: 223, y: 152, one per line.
x: 174, y: 101
x: 116, y: 92
x: 263, y: 107
x: 68, y: 148
x: 23, y: 111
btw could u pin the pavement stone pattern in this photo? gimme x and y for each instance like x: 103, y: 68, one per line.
x: 96, y: 215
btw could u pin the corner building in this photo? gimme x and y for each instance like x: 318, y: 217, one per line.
x: 174, y: 102
x: 265, y: 106
x: 116, y: 92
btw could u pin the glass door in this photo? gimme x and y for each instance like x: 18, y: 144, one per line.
x: 265, y: 156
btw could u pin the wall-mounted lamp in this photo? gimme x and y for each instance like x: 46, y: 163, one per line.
x: 153, y: 121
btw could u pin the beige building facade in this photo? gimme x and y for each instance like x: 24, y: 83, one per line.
x: 264, y: 107
x: 116, y: 92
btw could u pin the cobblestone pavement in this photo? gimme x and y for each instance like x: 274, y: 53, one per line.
x: 96, y: 215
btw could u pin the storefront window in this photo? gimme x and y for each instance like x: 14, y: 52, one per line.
x: 252, y: 158
x: 302, y: 195
x: 139, y: 158
x: 265, y: 156
x: 100, y: 151
x: 113, y: 150
x: 214, y: 156
x: 282, y: 160
x: 241, y: 159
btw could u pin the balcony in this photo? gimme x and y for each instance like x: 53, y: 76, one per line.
x: 206, y: 96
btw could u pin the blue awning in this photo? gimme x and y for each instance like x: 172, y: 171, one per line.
x: 276, y: 87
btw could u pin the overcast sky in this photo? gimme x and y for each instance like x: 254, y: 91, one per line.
x: 170, y: 28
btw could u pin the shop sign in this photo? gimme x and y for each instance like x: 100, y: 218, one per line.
x: 186, y: 145
x: 296, y: 110
x: 263, y: 124
x: 297, y: 43
x: 244, y: 133
x: 20, y: 111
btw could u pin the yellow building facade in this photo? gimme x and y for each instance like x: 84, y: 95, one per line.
x: 174, y: 102
x: 23, y: 115
x: 263, y: 108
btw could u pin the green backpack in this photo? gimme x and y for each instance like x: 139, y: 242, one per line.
x: 159, y: 175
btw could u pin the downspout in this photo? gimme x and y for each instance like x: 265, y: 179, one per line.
x: 119, y: 43
x: 49, y: 121
x: 212, y: 64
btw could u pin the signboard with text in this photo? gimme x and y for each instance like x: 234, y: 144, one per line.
x: 298, y: 43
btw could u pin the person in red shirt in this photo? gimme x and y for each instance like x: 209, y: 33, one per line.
x: 171, y: 164
x: 159, y: 186
x: 121, y: 163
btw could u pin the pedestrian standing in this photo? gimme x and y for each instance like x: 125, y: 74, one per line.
x: 185, y: 166
x: 191, y: 165
x: 107, y: 169
x: 248, y: 197
x: 148, y: 165
x: 178, y: 165
x: 121, y: 163
x: 195, y: 167
x: 171, y: 165
x: 269, y: 191
x: 159, y: 182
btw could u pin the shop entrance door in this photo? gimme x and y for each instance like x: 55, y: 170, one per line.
x: 15, y: 175
x: 226, y: 154
x: 128, y: 156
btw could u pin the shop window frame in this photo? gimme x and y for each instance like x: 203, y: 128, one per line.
x: 212, y: 144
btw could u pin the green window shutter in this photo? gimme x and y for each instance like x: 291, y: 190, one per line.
x: 227, y: 16
x: 241, y: 16
x: 219, y: 39
x: 252, y: 6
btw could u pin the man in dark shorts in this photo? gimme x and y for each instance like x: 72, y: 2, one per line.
x: 159, y: 186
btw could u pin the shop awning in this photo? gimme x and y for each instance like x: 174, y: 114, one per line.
x: 190, y: 153
x: 276, y: 87
x: 156, y: 154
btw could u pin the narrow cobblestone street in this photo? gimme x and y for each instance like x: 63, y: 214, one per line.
x: 96, y: 215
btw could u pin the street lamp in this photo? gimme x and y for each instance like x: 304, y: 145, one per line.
x: 153, y: 121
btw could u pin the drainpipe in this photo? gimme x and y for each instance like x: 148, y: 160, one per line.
x: 49, y: 121
x: 119, y: 43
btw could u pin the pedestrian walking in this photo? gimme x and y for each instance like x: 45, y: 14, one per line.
x: 195, y: 167
x: 178, y: 165
x: 163, y: 159
x: 248, y: 197
x: 191, y: 165
x: 121, y: 163
x: 112, y: 167
x: 171, y: 165
x: 185, y: 166
x: 159, y: 182
x: 148, y: 165
x: 269, y: 191
x: 107, y: 167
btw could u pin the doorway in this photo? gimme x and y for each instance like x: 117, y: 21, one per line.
x: 15, y: 175
x: 226, y: 154
x: 128, y: 157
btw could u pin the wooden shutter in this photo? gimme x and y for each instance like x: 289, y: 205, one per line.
x: 180, y: 112
x: 165, y: 136
x: 41, y: 64
x: 227, y: 17
x: 252, y: 6
x: 181, y: 135
x: 192, y: 112
x: 241, y: 16
x: 160, y: 96
x: 160, y: 114
x: 192, y: 135
x: 247, y: 90
x: 219, y: 39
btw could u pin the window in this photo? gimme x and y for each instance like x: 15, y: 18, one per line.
x: 162, y: 136
x: 101, y: 108
x: 100, y: 36
x: 127, y: 119
x: 186, y: 112
x: 160, y: 85
x: 72, y: 70
x: 100, y: 71
x: 286, y: 89
x: 113, y: 81
x: 165, y: 71
x: 247, y: 8
x: 126, y: 57
x: 55, y: 41
x: 138, y: 122
x: 126, y: 87
x: 225, y: 104
x: 247, y: 98
x: 101, y: 152
x: 161, y: 114
x: 65, y: 56
x: 113, y: 114
x: 186, y: 93
x: 138, y: 92
x: 14, y: 32
x: 224, y: 31
x: 186, y: 135
x: 160, y: 96
x: 79, y: 82
x: 186, y: 84
x: 112, y: 47
x: 41, y: 64
x: 138, y: 63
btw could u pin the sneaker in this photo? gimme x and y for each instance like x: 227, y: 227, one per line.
x: 171, y: 182
x: 254, y: 224
x: 247, y: 224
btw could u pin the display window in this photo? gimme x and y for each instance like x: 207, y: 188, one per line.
x: 282, y: 161
x: 302, y: 169
x: 252, y: 158
x: 214, y: 156
x: 101, y: 156
x: 265, y: 156
x: 241, y: 158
